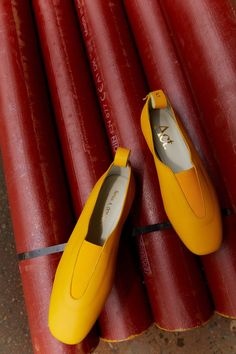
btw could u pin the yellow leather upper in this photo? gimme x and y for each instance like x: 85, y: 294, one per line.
x: 188, y: 196
x: 191, y: 188
x: 85, y: 273
x: 86, y: 263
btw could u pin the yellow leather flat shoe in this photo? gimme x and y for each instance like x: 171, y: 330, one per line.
x: 188, y: 196
x: 86, y: 270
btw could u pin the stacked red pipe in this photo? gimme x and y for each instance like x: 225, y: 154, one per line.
x: 40, y: 208
x: 41, y: 211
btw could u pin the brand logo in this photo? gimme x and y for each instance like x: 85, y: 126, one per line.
x: 163, y: 136
x: 110, y: 203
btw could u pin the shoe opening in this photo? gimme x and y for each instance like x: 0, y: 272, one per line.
x: 168, y: 140
x: 109, y: 205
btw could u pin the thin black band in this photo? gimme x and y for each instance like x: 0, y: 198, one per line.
x: 42, y: 252
x: 60, y: 248
x: 167, y: 225
x: 226, y: 212
x: 137, y: 231
x: 151, y: 228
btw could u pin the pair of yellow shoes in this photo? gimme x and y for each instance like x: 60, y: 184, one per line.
x: 85, y: 273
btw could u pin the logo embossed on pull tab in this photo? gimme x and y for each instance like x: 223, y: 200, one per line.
x: 163, y: 137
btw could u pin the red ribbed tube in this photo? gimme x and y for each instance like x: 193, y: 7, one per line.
x: 40, y: 207
x: 86, y: 150
x: 177, y: 293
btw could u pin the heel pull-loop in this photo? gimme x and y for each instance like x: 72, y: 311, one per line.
x: 158, y: 99
x: 121, y: 157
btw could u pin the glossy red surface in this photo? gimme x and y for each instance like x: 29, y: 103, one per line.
x: 121, y: 86
x: 220, y: 269
x: 84, y: 143
x: 86, y: 151
x: 40, y: 207
x: 163, y: 70
x: 204, y: 34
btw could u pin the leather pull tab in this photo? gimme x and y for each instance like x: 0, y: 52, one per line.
x: 121, y: 157
x: 158, y: 99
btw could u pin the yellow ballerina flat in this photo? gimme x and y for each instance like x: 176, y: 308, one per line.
x: 86, y: 270
x: 188, y: 196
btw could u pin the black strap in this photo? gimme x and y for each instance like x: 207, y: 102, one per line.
x: 167, y: 225
x: 60, y: 248
x: 226, y: 212
x: 136, y: 231
x: 41, y: 252
x: 151, y: 228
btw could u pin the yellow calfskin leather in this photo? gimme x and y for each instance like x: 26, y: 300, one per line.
x: 189, y: 197
x: 86, y: 270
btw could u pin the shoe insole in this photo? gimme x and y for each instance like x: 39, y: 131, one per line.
x: 168, y: 141
x: 107, y: 209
